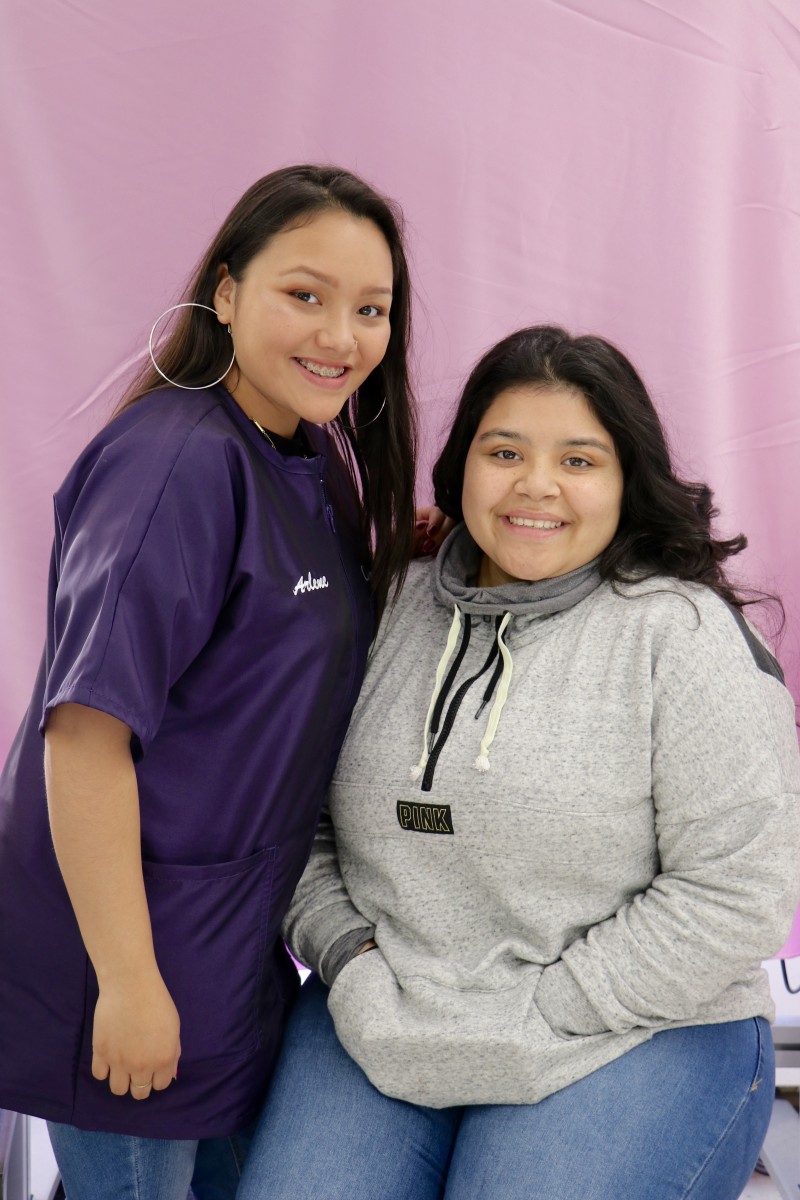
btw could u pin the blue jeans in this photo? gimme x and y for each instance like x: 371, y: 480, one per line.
x: 683, y: 1115
x: 113, y: 1166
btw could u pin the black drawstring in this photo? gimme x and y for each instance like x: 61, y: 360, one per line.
x: 496, y: 674
x: 452, y: 713
x: 436, y: 715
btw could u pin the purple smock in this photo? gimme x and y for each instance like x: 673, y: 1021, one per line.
x: 211, y: 594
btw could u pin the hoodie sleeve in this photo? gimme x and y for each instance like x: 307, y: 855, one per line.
x: 323, y: 928
x: 726, y: 784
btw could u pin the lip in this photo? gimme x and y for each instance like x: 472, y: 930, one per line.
x: 526, y: 532
x: 331, y: 383
x: 525, y: 514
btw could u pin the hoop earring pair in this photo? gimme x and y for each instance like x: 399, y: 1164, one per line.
x: 202, y: 386
x: 186, y: 386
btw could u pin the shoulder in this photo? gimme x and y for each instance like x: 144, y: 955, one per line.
x: 690, y: 623
x: 169, y: 455
x: 142, y: 445
x: 165, y: 424
x: 414, y: 612
x: 416, y: 595
x: 664, y: 603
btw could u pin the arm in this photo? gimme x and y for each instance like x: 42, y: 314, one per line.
x: 726, y: 782
x: 94, y: 817
x: 323, y: 928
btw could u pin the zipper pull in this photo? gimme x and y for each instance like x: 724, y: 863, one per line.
x: 326, y: 502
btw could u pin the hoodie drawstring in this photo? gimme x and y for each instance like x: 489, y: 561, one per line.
x: 452, y: 638
x: 492, y: 684
x: 482, y: 761
x: 433, y: 745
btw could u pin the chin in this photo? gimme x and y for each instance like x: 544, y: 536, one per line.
x: 522, y: 572
x: 533, y: 577
x: 319, y: 414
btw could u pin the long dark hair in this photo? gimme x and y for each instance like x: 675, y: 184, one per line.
x: 380, y: 453
x: 665, y: 522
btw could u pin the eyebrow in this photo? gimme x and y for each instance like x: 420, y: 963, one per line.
x: 331, y: 282
x: 595, y: 443
x: 508, y: 434
x: 512, y: 436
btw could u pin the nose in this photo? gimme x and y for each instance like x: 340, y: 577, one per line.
x: 336, y: 333
x: 537, y: 481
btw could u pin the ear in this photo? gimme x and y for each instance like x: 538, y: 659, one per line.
x: 225, y: 294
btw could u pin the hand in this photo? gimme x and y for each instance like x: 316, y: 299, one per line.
x: 430, y: 530
x: 370, y: 945
x: 136, y: 1039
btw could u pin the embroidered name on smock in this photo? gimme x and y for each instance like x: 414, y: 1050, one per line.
x: 424, y: 818
x: 307, y: 584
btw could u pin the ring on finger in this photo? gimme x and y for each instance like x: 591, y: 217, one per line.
x: 141, y: 1087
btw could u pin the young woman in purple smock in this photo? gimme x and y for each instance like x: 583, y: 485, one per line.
x: 221, y: 549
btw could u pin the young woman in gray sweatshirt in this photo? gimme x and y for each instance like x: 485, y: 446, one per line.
x: 561, y: 836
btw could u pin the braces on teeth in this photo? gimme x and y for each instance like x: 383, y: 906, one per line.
x: 327, y: 372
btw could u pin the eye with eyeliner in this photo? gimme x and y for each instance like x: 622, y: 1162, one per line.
x: 311, y: 298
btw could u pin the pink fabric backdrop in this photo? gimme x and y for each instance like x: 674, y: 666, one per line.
x: 630, y: 167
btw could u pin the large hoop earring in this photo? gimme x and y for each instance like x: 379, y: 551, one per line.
x: 186, y: 386
x: 358, y: 428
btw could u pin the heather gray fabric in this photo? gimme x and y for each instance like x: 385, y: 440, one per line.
x: 458, y: 563
x: 623, y: 867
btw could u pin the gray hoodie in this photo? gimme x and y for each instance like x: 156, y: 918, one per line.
x: 604, y: 846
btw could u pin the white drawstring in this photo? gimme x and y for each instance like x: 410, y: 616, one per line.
x: 452, y: 638
x: 482, y: 761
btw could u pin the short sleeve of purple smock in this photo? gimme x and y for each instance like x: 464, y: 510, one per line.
x: 145, y: 539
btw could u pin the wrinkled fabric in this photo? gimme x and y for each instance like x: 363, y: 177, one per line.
x: 621, y: 869
x: 180, y: 603
x: 455, y: 571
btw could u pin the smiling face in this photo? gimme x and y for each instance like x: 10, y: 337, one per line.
x: 309, y: 319
x: 542, y: 485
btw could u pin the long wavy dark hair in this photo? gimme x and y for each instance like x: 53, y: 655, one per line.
x: 665, y: 522
x: 381, y: 453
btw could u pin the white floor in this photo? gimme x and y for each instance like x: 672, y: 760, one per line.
x: 760, y: 1188
x: 43, y: 1170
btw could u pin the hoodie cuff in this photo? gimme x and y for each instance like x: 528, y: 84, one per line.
x: 563, y: 1004
x: 342, y: 950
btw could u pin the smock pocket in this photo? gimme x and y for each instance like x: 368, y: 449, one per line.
x: 212, y: 927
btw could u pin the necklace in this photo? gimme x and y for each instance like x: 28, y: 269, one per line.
x: 296, y: 447
x: 261, y: 429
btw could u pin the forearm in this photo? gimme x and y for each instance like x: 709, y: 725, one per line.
x: 322, y: 921
x: 725, y: 782
x: 94, y: 818
x: 704, y: 924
